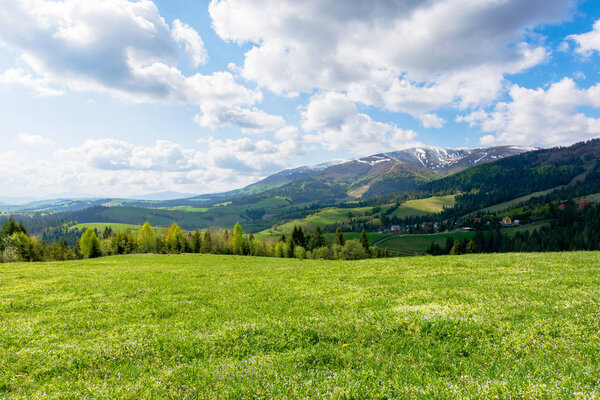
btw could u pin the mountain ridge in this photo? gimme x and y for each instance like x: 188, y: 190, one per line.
x: 379, y: 174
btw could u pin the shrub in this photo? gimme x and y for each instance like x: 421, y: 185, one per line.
x: 299, y: 252
x: 323, y: 253
x: 353, y: 250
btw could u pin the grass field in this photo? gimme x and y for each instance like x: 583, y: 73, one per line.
x: 420, y: 243
x: 321, y: 218
x: 115, y: 226
x: 482, y: 326
x: 424, y: 206
x: 372, y: 236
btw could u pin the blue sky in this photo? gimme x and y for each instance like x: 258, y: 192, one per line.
x: 119, y: 98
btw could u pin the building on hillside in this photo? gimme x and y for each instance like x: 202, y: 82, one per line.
x: 562, y: 206
x: 396, y: 228
x: 478, y: 220
x: 583, y: 204
x: 468, y: 229
x: 506, y: 221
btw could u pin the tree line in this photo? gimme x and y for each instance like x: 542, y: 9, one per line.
x: 17, y: 245
x: 572, y: 229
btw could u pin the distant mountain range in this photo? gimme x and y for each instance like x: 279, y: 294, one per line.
x: 375, y: 175
x: 161, y: 196
x: 336, y: 180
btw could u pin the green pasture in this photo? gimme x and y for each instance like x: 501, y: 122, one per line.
x: 512, y: 326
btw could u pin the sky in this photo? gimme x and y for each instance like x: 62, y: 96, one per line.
x: 115, y: 98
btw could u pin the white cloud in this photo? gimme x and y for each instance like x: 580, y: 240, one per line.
x: 431, y: 121
x: 34, y: 140
x: 249, y: 120
x: 193, y: 44
x: 338, y: 124
x: 20, y: 77
x: 107, y: 167
x: 588, y: 42
x: 121, y: 47
x: 412, y: 56
x: 540, y: 117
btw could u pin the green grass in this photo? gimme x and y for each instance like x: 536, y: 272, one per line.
x: 595, y: 198
x: 321, y: 218
x: 101, y: 225
x: 519, y: 200
x: 420, y: 243
x: 372, y: 236
x: 482, y: 326
x: 424, y: 206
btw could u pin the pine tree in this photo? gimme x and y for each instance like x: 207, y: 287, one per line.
x: 207, y: 246
x: 339, y: 238
x: 316, y: 239
x: 456, y: 248
x: 196, y: 244
x: 364, y: 241
x: 471, y: 247
x: 298, y: 238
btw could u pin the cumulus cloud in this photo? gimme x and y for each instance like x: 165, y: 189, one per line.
x: 588, y: 42
x: 540, y: 116
x: 34, y: 140
x: 117, y: 46
x: 431, y: 121
x: 249, y: 120
x: 337, y: 124
x: 193, y: 44
x: 109, y: 166
x: 20, y: 77
x: 411, y: 56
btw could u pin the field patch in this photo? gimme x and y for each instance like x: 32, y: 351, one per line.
x: 420, y: 243
x: 426, y: 206
x: 200, y: 326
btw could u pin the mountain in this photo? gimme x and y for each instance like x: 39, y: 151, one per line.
x: 375, y: 175
x: 449, y: 160
x: 568, y: 170
x: 6, y: 201
x: 290, y: 175
x: 161, y: 196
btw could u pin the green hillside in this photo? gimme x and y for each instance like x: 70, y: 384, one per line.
x: 507, y: 326
x: 334, y: 215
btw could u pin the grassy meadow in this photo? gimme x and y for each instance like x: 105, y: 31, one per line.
x: 199, y: 326
x: 420, y: 243
x: 100, y: 226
